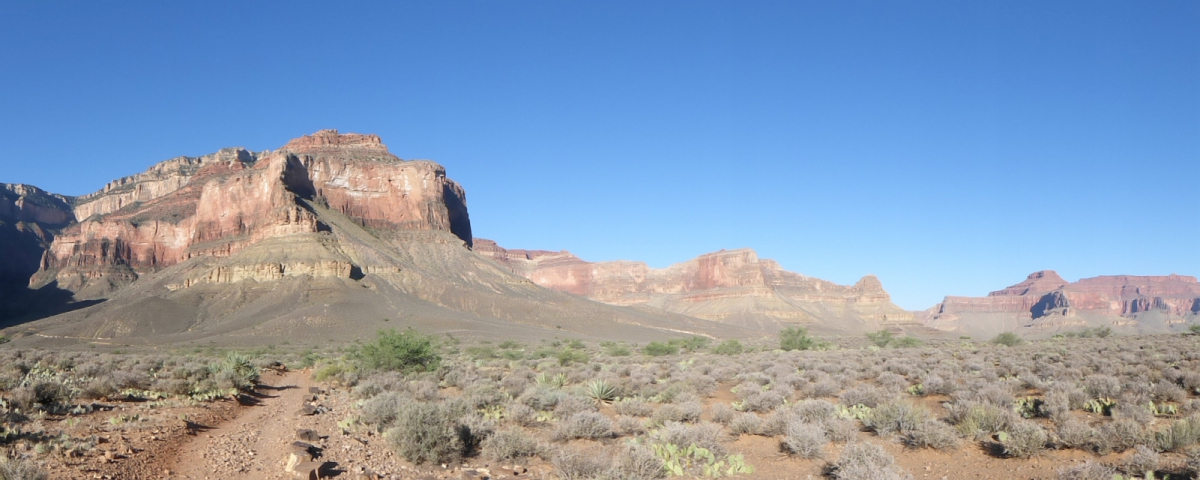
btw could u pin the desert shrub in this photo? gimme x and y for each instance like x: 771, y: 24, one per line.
x: 381, y: 410
x: 691, y: 344
x: 630, y: 425
x: 521, y: 414
x: 1193, y: 459
x: 865, y: 461
x: 601, y: 391
x: 863, y: 395
x: 511, y: 444
x: 19, y: 469
x: 814, y: 410
x: 796, y: 338
x: 1073, y: 433
x: 805, y: 440
x: 760, y: 401
x: 841, y: 430
x: 892, y: 382
x: 1025, y: 439
x: 1120, y: 435
x: 569, y: 356
x: 822, y: 388
x: 1143, y: 460
x: 426, y: 433
x: 571, y: 464
x: 704, y: 435
x: 590, y: 425
x: 931, y: 434
x: 569, y: 405
x: 541, y: 398
x: 729, y: 347
x: 896, y: 417
x: 744, y: 424
x: 687, y: 412
x: 616, y: 349
x: 1180, y: 434
x: 881, y: 338
x: 1169, y: 392
x: 636, y: 463
x: 907, y: 342
x: 633, y: 407
x: 973, y: 419
x: 1008, y: 339
x: 723, y: 414
x: 659, y: 349
x: 1102, y: 386
x: 406, y: 351
x: 1089, y: 470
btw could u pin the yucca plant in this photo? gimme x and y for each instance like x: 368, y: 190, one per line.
x: 601, y: 391
x: 557, y: 380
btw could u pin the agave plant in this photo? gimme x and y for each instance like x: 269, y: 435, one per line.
x: 601, y: 391
x: 557, y: 380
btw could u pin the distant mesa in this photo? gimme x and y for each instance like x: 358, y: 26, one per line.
x: 728, y: 286
x: 1045, y: 303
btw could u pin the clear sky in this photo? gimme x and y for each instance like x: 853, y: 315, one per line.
x: 947, y: 147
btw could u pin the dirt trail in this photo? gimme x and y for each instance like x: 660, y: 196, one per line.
x: 251, y: 445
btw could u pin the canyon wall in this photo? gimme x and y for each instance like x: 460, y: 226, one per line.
x: 734, y: 286
x: 219, y: 204
x: 1044, y: 301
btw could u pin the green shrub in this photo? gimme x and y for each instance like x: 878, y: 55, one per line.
x: 571, y: 355
x: 614, y: 349
x: 1008, y: 339
x: 690, y: 344
x: 426, y: 433
x: 658, y: 349
x: 796, y: 338
x: 1180, y: 434
x: 907, y: 342
x: 3, y: 339
x: 730, y: 347
x: 881, y: 338
x: 406, y: 351
x: 1193, y: 328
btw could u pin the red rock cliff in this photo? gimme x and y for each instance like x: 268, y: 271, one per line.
x: 222, y: 203
x: 729, y: 285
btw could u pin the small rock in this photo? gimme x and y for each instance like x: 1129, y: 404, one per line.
x: 307, y: 435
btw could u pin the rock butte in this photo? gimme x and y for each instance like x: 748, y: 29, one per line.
x: 733, y: 286
x: 1044, y: 301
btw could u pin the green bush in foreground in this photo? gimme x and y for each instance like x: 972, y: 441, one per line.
x: 796, y: 338
x: 1008, y: 339
x: 730, y: 347
x: 658, y: 349
x: 406, y: 351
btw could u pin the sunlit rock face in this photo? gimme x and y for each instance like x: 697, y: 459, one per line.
x: 220, y: 204
x: 1045, y: 302
x: 734, y: 286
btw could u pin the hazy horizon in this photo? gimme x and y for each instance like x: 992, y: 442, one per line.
x: 948, y: 148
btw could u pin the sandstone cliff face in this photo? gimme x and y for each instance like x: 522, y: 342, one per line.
x: 1044, y: 301
x: 219, y: 204
x: 734, y: 286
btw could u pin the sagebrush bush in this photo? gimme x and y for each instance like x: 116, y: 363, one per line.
x: 1120, y: 435
x: 511, y: 444
x: 1179, y: 435
x: 1089, y: 470
x: 1143, y: 460
x: 805, y: 440
x: 19, y: 469
x: 866, y: 461
x: 896, y: 417
x: 426, y: 433
x: 636, y: 463
x: 571, y: 464
x: 590, y: 425
x: 1025, y: 439
x: 931, y: 434
x: 704, y: 435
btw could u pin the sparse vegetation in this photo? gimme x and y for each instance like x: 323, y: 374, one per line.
x: 796, y: 338
x: 406, y: 351
x: 1008, y: 339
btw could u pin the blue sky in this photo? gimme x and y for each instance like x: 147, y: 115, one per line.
x: 947, y: 147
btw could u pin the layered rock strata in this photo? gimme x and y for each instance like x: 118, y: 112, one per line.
x: 29, y: 217
x: 733, y: 286
x: 1046, y: 301
x: 219, y: 204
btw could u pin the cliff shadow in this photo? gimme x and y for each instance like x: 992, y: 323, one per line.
x: 20, y: 305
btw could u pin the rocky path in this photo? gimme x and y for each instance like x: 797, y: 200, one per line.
x: 254, y: 444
